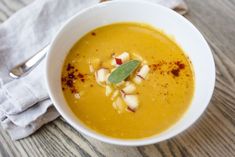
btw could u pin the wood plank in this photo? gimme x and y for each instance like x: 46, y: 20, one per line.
x: 214, y: 133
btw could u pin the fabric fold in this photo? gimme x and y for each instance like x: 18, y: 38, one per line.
x: 18, y: 132
x: 22, y: 119
x: 18, y: 95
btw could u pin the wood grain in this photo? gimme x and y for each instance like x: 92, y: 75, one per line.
x: 213, y: 135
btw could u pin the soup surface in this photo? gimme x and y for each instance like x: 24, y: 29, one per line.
x: 157, y: 101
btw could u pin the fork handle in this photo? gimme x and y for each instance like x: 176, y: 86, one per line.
x: 29, y: 64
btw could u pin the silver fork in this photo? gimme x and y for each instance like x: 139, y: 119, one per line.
x: 28, y: 65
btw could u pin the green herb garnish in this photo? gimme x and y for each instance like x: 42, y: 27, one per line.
x: 123, y: 71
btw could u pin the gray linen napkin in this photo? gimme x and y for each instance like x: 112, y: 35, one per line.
x: 24, y: 103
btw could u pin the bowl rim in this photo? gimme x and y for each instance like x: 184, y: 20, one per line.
x: 116, y: 141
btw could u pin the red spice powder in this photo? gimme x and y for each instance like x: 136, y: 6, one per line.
x: 175, y: 72
x: 69, y: 67
x: 180, y: 65
x: 93, y: 33
x: 63, y: 79
x: 69, y: 83
x: 80, y: 75
x: 73, y: 90
x: 71, y: 76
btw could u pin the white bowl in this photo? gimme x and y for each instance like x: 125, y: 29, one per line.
x: 185, y: 34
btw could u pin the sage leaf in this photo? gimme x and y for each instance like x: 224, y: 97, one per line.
x: 123, y: 71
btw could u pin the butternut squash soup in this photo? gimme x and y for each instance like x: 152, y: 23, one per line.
x: 127, y: 80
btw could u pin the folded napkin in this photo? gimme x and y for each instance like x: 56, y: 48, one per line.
x: 24, y: 103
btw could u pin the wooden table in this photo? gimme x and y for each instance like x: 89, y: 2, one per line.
x: 212, y: 135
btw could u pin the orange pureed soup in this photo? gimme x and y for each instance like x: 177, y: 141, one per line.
x: 127, y: 80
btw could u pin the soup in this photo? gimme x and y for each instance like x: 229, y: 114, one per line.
x: 127, y: 80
